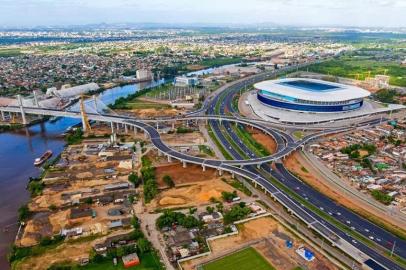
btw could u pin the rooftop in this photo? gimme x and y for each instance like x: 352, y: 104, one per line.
x: 311, y: 89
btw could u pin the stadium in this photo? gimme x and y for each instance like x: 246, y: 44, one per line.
x: 310, y: 95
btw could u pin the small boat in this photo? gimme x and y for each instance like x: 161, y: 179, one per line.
x: 43, y: 158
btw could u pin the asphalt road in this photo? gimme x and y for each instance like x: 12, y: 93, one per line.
x: 341, y: 214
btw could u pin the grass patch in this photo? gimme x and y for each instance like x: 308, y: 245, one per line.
x: 206, y: 150
x: 349, y: 66
x: 249, y: 141
x: 298, y: 134
x: 10, y: 52
x: 218, y: 144
x: 246, y: 259
x: 303, y: 169
x: 219, y: 61
x: 239, y: 186
x: 149, y: 261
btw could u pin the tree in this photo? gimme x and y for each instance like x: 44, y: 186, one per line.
x: 23, y: 212
x: 35, y: 188
x: 228, y: 196
x: 136, y: 234
x: 190, y: 222
x: 220, y: 207
x: 150, y: 190
x: 210, y: 209
x: 120, y: 251
x: 168, y: 218
x: 135, y: 222
x: 133, y: 178
x: 168, y: 181
x: 89, y: 200
x: 143, y: 245
x: 236, y: 213
x: 131, y: 198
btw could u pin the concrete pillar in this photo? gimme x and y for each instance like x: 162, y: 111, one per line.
x: 135, y: 130
x: 184, y: 164
x: 157, y: 126
x: 95, y: 102
x: 36, y: 104
x: 3, y: 116
x: 20, y: 101
x: 159, y: 153
x: 112, y: 127
x: 220, y: 172
x: 204, y: 168
x: 126, y: 129
x: 118, y: 127
x: 169, y: 159
x: 187, y: 123
x: 145, y: 135
x: 232, y: 175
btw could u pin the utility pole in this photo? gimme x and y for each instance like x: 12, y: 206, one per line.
x: 393, y: 248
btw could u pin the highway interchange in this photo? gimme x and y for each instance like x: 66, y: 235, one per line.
x: 245, y: 163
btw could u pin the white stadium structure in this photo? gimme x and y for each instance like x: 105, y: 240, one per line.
x: 310, y: 95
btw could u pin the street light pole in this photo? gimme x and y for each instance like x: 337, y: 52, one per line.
x: 393, y: 248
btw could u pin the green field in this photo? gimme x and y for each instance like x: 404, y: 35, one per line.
x: 149, y: 261
x: 10, y: 52
x: 247, y: 259
x: 360, y: 68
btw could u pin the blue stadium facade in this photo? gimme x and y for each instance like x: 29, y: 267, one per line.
x: 309, y: 96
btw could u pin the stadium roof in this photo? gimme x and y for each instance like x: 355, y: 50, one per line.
x: 313, y: 90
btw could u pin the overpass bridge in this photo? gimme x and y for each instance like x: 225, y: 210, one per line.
x: 286, y: 144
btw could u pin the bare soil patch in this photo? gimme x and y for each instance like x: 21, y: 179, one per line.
x: 181, y: 176
x: 267, y: 141
x: 192, y: 195
x: 64, y: 252
x: 268, y: 237
x: 193, y: 138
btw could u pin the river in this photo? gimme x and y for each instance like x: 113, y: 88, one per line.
x: 19, y: 148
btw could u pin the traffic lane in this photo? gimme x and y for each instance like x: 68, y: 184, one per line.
x: 316, y: 199
x: 345, y: 216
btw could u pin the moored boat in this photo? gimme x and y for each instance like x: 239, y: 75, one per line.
x: 43, y: 158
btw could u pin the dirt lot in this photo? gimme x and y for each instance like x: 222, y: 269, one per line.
x: 192, y: 195
x: 182, y: 176
x: 183, y: 139
x: 51, y: 196
x: 268, y: 237
x: 64, y: 252
x: 267, y: 141
x: 151, y: 112
x: 295, y: 163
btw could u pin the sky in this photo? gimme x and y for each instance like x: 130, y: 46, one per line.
x: 363, y: 13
